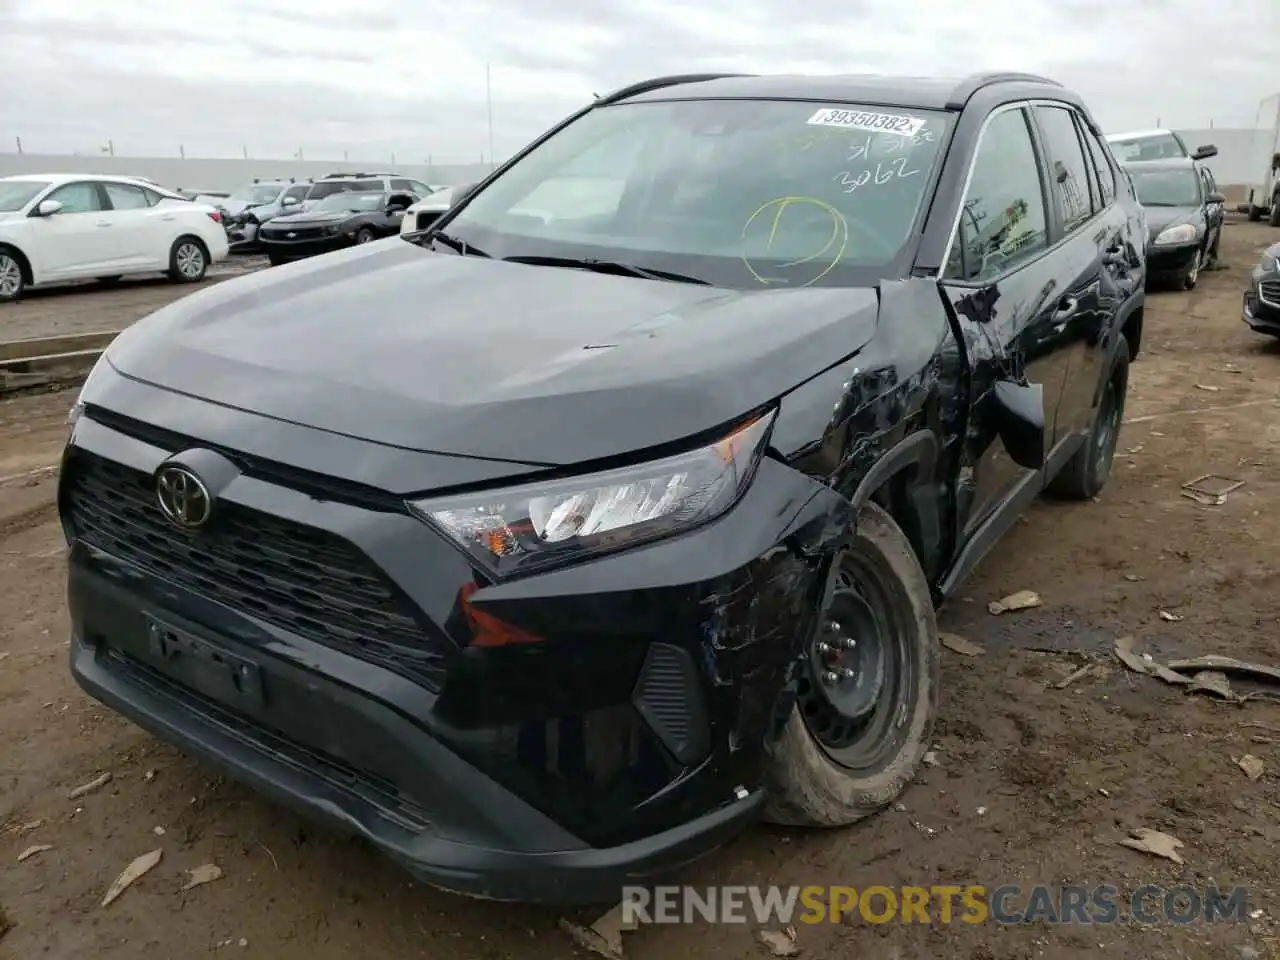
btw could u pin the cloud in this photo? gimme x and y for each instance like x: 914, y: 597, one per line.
x: 409, y: 79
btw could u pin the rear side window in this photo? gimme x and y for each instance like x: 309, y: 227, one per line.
x: 328, y: 188
x: 1102, y: 164
x: 1068, y: 170
x: 1002, y: 220
x: 297, y: 193
x: 124, y: 196
x: 366, y: 185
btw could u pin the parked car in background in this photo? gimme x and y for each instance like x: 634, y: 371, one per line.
x: 386, y: 182
x: 1262, y: 298
x: 426, y: 211
x: 286, y: 196
x: 339, y: 220
x: 548, y: 556
x: 1155, y: 145
x: 71, y: 227
x: 1185, y: 215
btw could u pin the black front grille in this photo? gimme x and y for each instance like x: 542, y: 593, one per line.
x: 1269, y: 292
x: 308, y: 581
x: 289, y: 234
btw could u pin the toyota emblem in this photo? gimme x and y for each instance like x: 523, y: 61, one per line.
x: 183, y: 497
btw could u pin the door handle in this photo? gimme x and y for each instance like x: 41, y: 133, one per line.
x: 168, y: 216
x: 104, y: 223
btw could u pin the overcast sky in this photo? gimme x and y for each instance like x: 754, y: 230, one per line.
x: 407, y: 77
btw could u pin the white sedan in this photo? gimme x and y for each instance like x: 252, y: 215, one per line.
x: 57, y: 227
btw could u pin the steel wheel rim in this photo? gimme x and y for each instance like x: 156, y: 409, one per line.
x: 364, y: 236
x: 10, y: 275
x: 190, y: 260
x: 859, y: 719
x: 1108, y: 430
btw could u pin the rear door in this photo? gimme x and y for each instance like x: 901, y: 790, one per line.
x: 1091, y: 228
x: 133, y: 222
x: 1005, y: 281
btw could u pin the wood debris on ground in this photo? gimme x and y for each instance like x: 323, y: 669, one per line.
x: 30, y: 852
x: 1022, y: 600
x: 130, y: 875
x: 781, y: 943
x: 97, y: 783
x: 205, y: 873
x: 603, y: 935
x: 1251, y: 765
x: 1155, y: 843
x: 958, y: 644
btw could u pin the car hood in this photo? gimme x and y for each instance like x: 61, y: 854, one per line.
x: 1162, y: 218
x: 472, y: 357
x: 234, y: 206
x: 299, y: 218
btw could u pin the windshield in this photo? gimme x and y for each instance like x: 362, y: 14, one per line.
x: 1157, y: 146
x: 746, y: 194
x: 16, y: 194
x: 353, y: 202
x: 1167, y: 188
x: 258, y: 193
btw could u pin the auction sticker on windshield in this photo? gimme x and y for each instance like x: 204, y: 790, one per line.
x: 862, y: 120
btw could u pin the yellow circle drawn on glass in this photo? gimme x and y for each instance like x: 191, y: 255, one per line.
x: 839, y: 238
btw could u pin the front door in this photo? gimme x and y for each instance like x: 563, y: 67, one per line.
x: 77, y: 240
x: 1006, y: 286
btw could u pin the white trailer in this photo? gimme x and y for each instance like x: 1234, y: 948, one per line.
x: 1264, y: 194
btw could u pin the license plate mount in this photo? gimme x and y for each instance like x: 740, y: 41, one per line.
x: 206, y: 666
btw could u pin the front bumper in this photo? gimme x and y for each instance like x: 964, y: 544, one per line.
x: 308, y: 247
x: 1170, y: 262
x: 624, y: 745
x: 242, y: 236
x: 1262, y: 306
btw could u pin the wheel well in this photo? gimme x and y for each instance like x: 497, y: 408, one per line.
x: 23, y: 263
x: 1132, y: 331
x: 892, y: 496
x: 194, y: 239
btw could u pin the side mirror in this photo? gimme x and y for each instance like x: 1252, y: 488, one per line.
x: 1216, y: 197
x: 1205, y: 152
x: 48, y: 208
x: 289, y: 202
x: 1018, y: 409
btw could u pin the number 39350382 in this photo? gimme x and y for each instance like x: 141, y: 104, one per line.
x: 864, y: 120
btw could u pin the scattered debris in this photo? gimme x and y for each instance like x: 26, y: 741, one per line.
x: 982, y: 811
x: 930, y: 759
x: 780, y: 943
x: 97, y: 783
x: 1170, y: 617
x: 1251, y: 766
x: 958, y: 644
x: 158, y: 831
x: 1206, y: 674
x: 1104, y: 791
x: 130, y: 874
x: 1211, y: 494
x: 603, y: 935
x: 1155, y: 843
x: 1022, y: 600
x: 1207, y: 386
x: 1073, y: 676
x: 1134, y: 578
x: 149, y: 776
x: 206, y: 873
x: 30, y: 852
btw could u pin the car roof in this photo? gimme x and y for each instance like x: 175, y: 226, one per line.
x: 1138, y: 134
x: 924, y: 93
x: 72, y: 177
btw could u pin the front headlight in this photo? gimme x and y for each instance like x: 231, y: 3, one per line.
x: 334, y: 228
x: 521, y: 529
x: 1182, y: 233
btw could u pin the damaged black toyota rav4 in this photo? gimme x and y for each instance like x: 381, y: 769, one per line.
x: 549, y: 548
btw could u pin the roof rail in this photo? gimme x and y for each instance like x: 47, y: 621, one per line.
x: 967, y: 87
x: 657, y: 83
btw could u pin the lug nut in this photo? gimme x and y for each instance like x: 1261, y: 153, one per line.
x: 847, y: 673
x: 831, y: 676
x: 824, y: 647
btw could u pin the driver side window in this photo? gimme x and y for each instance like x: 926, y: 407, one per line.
x: 1002, y: 221
x: 78, y: 198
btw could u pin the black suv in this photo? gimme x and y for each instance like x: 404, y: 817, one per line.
x: 549, y: 549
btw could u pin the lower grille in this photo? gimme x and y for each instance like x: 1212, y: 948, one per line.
x: 307, y: 581
x: 300, y: 233
x: 1269, y: 292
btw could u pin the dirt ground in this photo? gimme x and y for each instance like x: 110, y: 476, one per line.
x: 1033, y: 783
x: 86, y: 307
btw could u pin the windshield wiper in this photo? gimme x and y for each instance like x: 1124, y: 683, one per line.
x: 608, y: 266
x: 453, y: 243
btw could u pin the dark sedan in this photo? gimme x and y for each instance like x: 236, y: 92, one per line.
x: 1184, y: 217
x: 1262, y: 299
x: 339, y: 220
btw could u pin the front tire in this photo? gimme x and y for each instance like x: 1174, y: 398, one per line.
x: 1274, y: 213
x: 851, y: 744
x: 366, y: 235
x: 1086, y: 473
x: 188, y: 261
